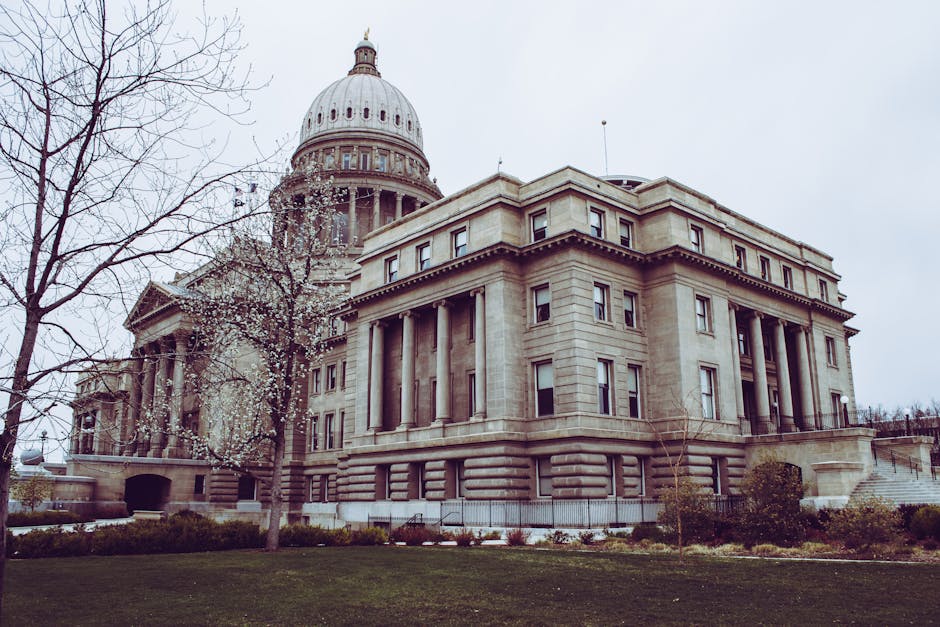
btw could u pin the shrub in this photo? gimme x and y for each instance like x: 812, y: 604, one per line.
x: 861, y: 524
x: 931, y: 545
x: 490, y: 535
x: 907, y: 511
x: 307, y: 535
x: 49, y: 517
x: 925, y: 523
x: 370, y: 536
x: 516, y: 537
x: 647, y: 531
x: 441, y: 536
x: 412, y: 535
x: 557, y: 536
x: 51, y: 543
x: 772, y: 492
x: 586, y: 537
x: 465, y: 538
x: 690, y: 505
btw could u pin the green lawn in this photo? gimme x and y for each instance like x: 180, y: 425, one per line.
x: 407, y: 586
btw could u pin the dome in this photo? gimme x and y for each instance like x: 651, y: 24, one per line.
x: 363, y: 101
x: 31, y: 457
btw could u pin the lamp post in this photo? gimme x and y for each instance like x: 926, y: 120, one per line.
x: 42, y: 442
x: 907, y: 420
x: 845, y: 410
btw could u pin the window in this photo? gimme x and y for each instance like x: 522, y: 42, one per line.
x: 543, y: 476
x: 199, y: 484
x: 633, y: 391
x: 314, y: 433
x: 718, y: 472
x: 626, y: 233
x: 740, y: 258
x: 331, y: 377
x: 328, y: 431
x: 324, y: 488
x: 247, y: 488
x: 348, y: 113
x: 539, y: 226
x: 382, y: 115
x: 642, y: 488
x: 707, y: 385
x: 364, y: 159
x: 460, y: 242
x: 382, y: 165
x: 703, y: 314
x: 423, y: 254
x: 542, y: 301
x: 697, y: 237
x: 339, y: 436
x: 788, y: 277
x: 365, y: 113
x: 332, y: 114
x: 347, y: 160
x: 744, y: 347
x: 471, y: 322
x: 383, y: 482
x: 471, y: 394
x: 613, y: 462
x: 831, y: 351
x: 596, y: 222
x: 315, y: 381
x: 455, y: 480
x: 342, y: 376
x: 601, y: 298
x: 629, y: 309
x: 391, y: 269
x: 768, y: 346
x: 417, y: 488
x: 603, y: 386
x: 544, y: 389
x: 838, y: 417
x: 433, y: 400
x: 765, y: 268
x: 823, y: 290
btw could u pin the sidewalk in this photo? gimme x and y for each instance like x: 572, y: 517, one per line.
x: 18, y: 531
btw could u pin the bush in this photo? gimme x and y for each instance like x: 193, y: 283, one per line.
x: 586, y: 537
x: 861, y: 524
x: 907, y: 511
x: 307, y: 535
x: 557, y: 536
x: 490, y: 535
x: 49, y: 517
x: 412, y: 535
x: 690, y: 504
x: 925, y: 523
x: 647, y: 531
x: 516, y: 537
x: 51, y: 543
x: 465, y: 538
x: 772, y: 513
x: 370, y: 536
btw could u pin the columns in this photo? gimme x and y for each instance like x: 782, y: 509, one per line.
x: 376, y: 375
x: 407, y: 369
x: 398, y: 197
x: 479, y: 353
x: 759, y: 367
x: 129, y: 430
x: 353, y: 218
x: 787, y: 424
x: 736, y: 365
x: 442, y: 398
x: 147, y: 403
x: 806, y: 385
x: 176, y: 401
x: 376, y: 208
x: 159, y: 409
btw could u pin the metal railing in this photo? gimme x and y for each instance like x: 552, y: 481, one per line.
x: 906, y: 462
x: 391, y: 523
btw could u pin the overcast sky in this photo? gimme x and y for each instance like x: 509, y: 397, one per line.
x: 818, y: 119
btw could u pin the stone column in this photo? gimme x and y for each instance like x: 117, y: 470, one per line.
x: 759, y: 367
x: 376, y: 375
x: 398, y: 197
x: 147, y: 394
x: 353, y: 218
x: 479, y: 354
x: 736, y: 365
x: 787, y: 424
x: 442, y: 400
x: 159, y: 410
x: 132, y: 416
x: 181, y: 339
x: 407, y: 369
x: 806, y: 385
x: 376, y: 208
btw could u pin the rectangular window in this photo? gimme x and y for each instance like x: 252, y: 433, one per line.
x: 838, y: 417
x: 423, y: 255
x: 740, y: 258
x: 328, y: 431
x: 460, y: 242
x: 471, y: 322
x: 717, y: 484
x: 315, y: 381
x: 383, y: 483
x: 601, y: 300
x: 633, y: 391
x: 339, y: 435
x: 596, y: 222
x: 744, y: 347
x: 543, y: 476
x: 331, y: 377
x: 831, y: 351
x: 324, y: 488
x: 459, y: 487
x: 641, y: 463
x: 626, y: 233
x: 603, y: 386
x: 707, y: 384
x: 471, y: 394
x: 697, y: 238
x: 612, y: 462
x: 418, y: 487
x: 703, y: 314
x: 433, y: 400
x: 788, y: 277
x: 364, y: 158
x: 199, y: 484
x: 765, y: 268
x: 823, y: 290
x: 342, y: 376
x: 629, y: 309
x: 247, y: 488
x: 768, y: 347
x: 314, y: 433
x: 544, y: 389
x: 391, y: 269
x: 382, y: 165
x: 347, y: 160
x: 539, y: 226
x: 542, y: 301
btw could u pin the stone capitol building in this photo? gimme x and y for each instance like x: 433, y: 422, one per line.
x: 539, y: 343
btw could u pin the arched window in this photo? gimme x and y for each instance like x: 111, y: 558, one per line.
x: 409, y: 126
x: 319, y: 119
x: 348, y: 113
x: 332, y: 114
x: 397, y: 120
x: 365, y: 113
x: 382, y: 115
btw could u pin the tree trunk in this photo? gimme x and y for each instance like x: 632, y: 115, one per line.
x: 273, y: 538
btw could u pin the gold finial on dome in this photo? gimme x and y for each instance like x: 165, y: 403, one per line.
x: 365, y: 35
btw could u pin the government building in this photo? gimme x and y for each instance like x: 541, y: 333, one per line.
x: 516, y: 346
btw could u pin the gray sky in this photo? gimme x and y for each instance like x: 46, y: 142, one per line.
x: 818, y: 119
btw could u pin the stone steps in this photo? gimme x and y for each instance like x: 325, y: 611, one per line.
x: 898, y: 488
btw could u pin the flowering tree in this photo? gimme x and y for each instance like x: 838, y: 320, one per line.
x: 263, y: 310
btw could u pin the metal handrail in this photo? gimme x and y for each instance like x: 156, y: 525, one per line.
x: 912, y: 463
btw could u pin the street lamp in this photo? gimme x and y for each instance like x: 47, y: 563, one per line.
x: 42, y: 440
x: 907, y: 420
x: 845, y: 409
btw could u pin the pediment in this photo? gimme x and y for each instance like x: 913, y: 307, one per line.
x: 155, y: 298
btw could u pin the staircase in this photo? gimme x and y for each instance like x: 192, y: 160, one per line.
x: 899, y: 487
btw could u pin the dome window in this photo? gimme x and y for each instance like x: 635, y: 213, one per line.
x: 409, y: 126
x: 382, y: 115
x: 348, y: 113
x: 365, y: 113
x: 319, y: 119
x: 332, y: 114
x: 397, y: 120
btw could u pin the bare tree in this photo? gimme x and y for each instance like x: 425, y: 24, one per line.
x: 264, y: 311
x: 104, y: 167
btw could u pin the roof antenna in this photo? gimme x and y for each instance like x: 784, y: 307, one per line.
x: 604, y: 126
x: 499, y: 166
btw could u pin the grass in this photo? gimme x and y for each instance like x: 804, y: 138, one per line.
x: 407, y: 586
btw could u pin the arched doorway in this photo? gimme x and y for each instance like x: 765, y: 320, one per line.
x: 146, y: 492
